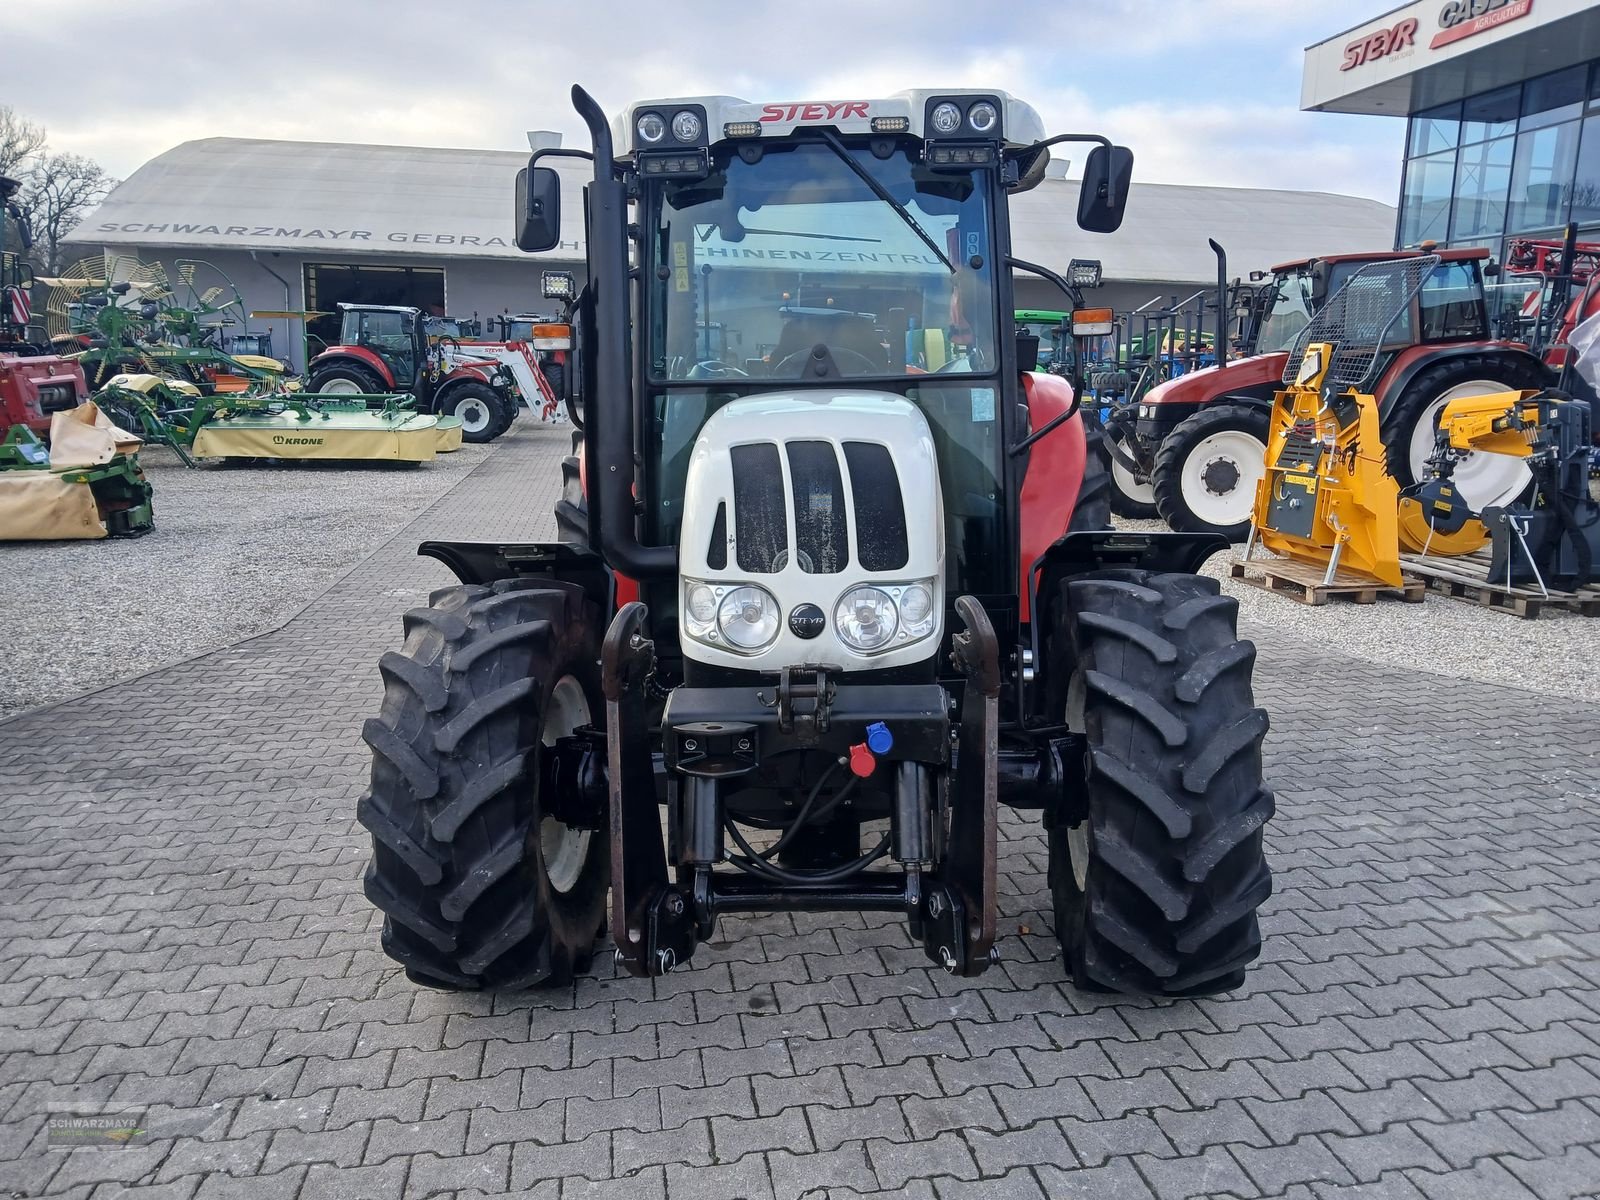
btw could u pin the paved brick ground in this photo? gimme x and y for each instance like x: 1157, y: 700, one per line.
x: 182, y: 928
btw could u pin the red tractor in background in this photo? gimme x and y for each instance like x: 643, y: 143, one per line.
x: 1193, y: 448
x: 34, y: 383
x: 385, y: 348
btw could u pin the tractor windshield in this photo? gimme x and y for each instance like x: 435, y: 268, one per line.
x: 784, y: 248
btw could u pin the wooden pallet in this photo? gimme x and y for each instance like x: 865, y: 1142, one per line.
x: 1466, y: 577
x: 1303, y: 582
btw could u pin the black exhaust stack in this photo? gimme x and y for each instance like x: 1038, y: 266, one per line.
x: 609, y: 413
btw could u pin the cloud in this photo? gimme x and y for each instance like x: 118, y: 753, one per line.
x: 1204, y: 93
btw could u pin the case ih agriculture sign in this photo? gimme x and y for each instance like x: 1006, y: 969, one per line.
x: 1463, y: 18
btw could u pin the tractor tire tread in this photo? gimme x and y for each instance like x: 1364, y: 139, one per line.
x: 456, y: 869
x: 1175, y: 869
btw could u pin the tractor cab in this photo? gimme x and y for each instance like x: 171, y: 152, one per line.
x: 394, y: 334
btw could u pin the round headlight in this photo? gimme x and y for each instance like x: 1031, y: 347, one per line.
x: 651, y: 128
x: 916, y: 610
x: 865, y: 618
x: 748, y: 618
x: 982, y: 116
x: 700, y: 609
x: 946, y: 118
x: 686, y: 126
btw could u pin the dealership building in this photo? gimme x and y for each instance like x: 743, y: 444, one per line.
x: 301, y: 226
x: 1502, y: 104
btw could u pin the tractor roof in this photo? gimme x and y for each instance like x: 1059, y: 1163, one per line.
x: 1019, y: 123
x: 1460, y: 254
x: 399, y: 308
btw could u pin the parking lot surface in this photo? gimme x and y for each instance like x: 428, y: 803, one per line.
x: 183, y: 933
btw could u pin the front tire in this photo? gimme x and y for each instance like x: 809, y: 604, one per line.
x: 479, y: 885
x: 1131, y: 496
x: 1156, y: 864
x: 1206, y: 471
x: 484, y: 414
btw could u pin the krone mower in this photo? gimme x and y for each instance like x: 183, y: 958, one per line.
x: 286, y: 426
x: 837, y: 583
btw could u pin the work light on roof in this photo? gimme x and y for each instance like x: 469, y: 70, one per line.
x: 650, y: 127
x: 686, y: 126
x: 946, y: 118
x: 982, y: 116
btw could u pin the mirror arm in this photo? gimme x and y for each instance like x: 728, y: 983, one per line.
x: 1045, y: 273
x: 1098, y: 139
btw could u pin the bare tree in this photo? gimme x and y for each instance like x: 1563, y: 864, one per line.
x: 20, y: 140
x: 58, y: 190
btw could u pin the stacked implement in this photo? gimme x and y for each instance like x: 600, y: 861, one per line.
x: 86, y: 485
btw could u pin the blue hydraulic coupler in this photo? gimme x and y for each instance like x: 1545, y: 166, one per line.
x: 879, y: 739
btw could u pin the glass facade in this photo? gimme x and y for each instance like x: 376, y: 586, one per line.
x: 1519, y: 160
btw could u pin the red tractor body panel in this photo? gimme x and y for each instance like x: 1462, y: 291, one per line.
x: 32, y: 387
x: 1208, y: 383
x: 1054, y: 476
x: 361, y: 355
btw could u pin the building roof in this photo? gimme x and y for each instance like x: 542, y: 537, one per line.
x: 394, y: 201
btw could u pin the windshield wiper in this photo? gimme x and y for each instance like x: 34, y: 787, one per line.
x: 882, y: 193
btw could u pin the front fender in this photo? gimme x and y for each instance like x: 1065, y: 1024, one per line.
x: 1103, y: 549
x: 486, y: 562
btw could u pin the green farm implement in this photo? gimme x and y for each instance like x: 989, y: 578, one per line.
x: 86, y: 484
x: 288, y: 425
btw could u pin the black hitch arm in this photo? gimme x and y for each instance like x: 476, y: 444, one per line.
x: 650, y: 920
x: 959, y: 911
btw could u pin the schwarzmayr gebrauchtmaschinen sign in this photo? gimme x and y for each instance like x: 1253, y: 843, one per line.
x: 328, y: 234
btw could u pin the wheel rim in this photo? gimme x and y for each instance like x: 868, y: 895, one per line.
x: 474, y: 415
x: 1480, y: 478
x: 1220, y: 475
x: 563, y: 848
x: 341, y: 387
x: 1127, y: 483
x: 1078, y: 853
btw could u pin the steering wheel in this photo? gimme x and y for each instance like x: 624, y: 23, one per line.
x: 966, y: 364
x: 793, y: 366
x: 715, y: 368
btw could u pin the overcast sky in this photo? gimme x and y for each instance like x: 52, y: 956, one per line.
x: 1204, y: 91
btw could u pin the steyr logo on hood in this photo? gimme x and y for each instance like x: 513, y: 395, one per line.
x: 827, y: 110
x: 807, y: 621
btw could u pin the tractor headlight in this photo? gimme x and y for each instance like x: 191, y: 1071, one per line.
x: 866, y: 619
x: 982, y: 116
x: 686, y: 126
x: 699, y: 609
x: 650, y: 128
x: 916, y: 611
x: 747, y: 618
x: 945, y: 118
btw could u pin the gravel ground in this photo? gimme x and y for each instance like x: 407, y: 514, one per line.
x: 1558, y: 653
x: 236, y: 550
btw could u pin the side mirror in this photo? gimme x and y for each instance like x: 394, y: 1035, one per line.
x: 1104, y: 195
x: 538, y: 212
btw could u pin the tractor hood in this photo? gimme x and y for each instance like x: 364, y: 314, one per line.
x: 813, y: 533
x: 1211, y: 383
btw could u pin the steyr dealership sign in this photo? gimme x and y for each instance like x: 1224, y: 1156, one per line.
x: 1402, y: 36
x: 1463, y: 18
